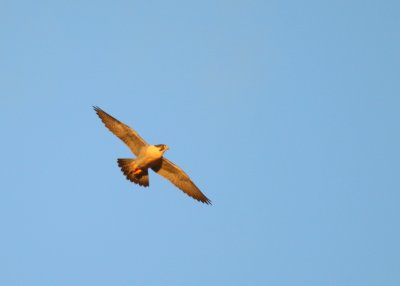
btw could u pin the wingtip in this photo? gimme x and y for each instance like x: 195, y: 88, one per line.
x: 206, y: 201
x: 203, y: 200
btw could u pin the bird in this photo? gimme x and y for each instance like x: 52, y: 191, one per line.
x: 148, y: 157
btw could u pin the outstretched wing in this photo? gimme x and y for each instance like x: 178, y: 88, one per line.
x: 122, y: 131
x: 179, y: 178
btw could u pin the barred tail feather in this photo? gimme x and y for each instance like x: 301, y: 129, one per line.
x: 127, y: 167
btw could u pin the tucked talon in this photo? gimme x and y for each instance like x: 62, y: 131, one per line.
x: 137, y: 171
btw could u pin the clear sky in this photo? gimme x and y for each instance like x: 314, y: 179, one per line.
x: 285, y: 113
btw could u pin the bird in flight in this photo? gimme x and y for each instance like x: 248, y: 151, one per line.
x: 148, y: 157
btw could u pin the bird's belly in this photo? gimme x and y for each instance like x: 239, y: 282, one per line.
x: 148, y: 157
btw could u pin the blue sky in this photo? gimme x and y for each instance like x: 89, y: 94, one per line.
x: 285, y: 114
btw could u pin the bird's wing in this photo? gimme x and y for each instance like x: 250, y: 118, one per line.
x: 179, y: 178
x: 122, y: 131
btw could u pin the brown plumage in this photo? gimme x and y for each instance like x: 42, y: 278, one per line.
x: 179, y: 178
x: 148, y: 156
x: 126, y: 166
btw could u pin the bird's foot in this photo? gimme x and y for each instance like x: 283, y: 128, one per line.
x: 137, y: 171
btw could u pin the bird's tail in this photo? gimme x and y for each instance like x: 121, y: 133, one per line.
x: 128, y: 168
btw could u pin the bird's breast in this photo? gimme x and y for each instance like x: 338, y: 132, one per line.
x: 147, y: 156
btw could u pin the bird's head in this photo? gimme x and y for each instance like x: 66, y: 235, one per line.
x: 162, y: 147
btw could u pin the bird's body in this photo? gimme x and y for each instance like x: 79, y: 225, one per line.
x: 148, y: 157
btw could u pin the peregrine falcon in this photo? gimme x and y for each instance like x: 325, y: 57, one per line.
x: 148, y: 157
